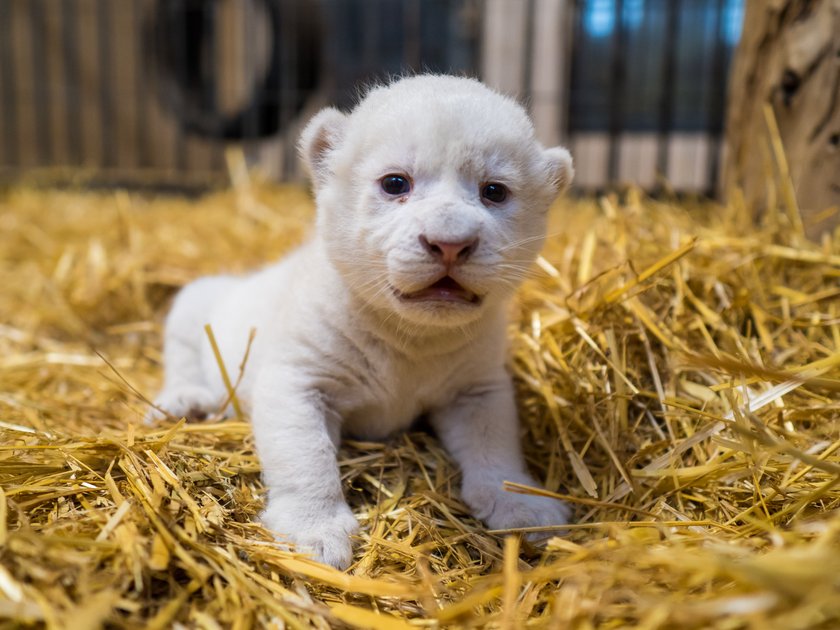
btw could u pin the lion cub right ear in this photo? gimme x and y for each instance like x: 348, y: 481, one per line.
x: 321, y: 136
x: 561, y: 172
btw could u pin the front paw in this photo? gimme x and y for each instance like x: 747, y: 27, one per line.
x: 504, y: 509
x: 322, y: 532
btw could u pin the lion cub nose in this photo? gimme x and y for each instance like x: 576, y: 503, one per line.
x: 449, y: 253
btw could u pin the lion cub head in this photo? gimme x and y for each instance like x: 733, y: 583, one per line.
x: 432, y: 196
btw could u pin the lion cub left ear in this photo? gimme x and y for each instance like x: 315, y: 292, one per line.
x: 559, y: 166
x: 321, y: 136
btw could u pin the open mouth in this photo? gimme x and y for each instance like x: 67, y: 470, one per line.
x: 446, y: 289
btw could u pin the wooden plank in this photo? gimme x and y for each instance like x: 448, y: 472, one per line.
x: 125, y: 33
x: 8, y: 117
x: 89, y: 83
x: 161, y: 133
x: 591, y: 153
x: 70, y: 100
x: 56, y: 79
x: 637, y: 159
x: 197, y: 149
x: 688, y: 161
x: 41, y: 82
x: 234, y: 78
x: 503, y: 46
x: 21, y: 52
x: 550, y: 71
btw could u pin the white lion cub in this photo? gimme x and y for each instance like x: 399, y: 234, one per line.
x: 432, y: 197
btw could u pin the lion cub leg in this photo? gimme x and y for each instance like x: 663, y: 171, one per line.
x: 297, y: 435
x: 481, y: 432
x: 186, y: 391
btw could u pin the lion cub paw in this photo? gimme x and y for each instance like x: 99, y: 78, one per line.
x: 503, y: 509
x: 323, y: 534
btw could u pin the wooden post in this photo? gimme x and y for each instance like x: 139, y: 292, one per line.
x: 789, y: 58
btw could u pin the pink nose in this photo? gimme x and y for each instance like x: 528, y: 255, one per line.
x: 449, y: 253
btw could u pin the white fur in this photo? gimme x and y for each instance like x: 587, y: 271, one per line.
x: 338, y: 351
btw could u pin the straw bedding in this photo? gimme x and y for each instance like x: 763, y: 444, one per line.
x: 678, y: 373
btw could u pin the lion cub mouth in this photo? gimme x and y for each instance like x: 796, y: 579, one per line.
x: 447, y: 289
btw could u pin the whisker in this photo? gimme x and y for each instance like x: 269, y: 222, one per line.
x: 529, y: 239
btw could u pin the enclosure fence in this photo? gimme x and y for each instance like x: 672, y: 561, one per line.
x: 155, y: 90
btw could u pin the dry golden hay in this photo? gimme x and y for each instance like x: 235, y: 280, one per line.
x: 678, y: 373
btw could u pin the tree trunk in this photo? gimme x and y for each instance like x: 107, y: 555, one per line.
x: 789, y: 58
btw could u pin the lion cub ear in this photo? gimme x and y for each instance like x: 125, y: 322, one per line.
x: 320, y: 137
x: 560, y: 170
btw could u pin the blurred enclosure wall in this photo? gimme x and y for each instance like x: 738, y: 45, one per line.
x: 153, y: 91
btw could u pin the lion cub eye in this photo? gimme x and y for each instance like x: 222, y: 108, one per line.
x: 395, y: 184
x: 494, y: 192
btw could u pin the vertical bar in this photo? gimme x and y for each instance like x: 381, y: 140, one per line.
x: 250, y: 127
x: 448, y: 47
x: 56, y: 104
x: 200, y: 148
x: 573, y: 121
x: 460, y: 29
x: 21, y: 57
x: 616, y: 90
x: 411, y: 57
x: 126, y: 107
x: 86, y: 41
x: 564, y: 94
x: 182, y: 71
x: 332, y: 45
x: 72, y: 82
x: 215, y: 82
x: 503, y: 34
x: 106, y: 85
x: 231, y: 64
x: 548, y: 69
x: 40, y: 82
x: 289, y: 83
x: 370, y: 51
x: 528, y: 54
x: 666, y: 85
x: 717, y: 96
x: 208, y: 55
x: 159, y: 133
x: 8, y: 87
x: 142, y: 54
x: 477, y: 10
